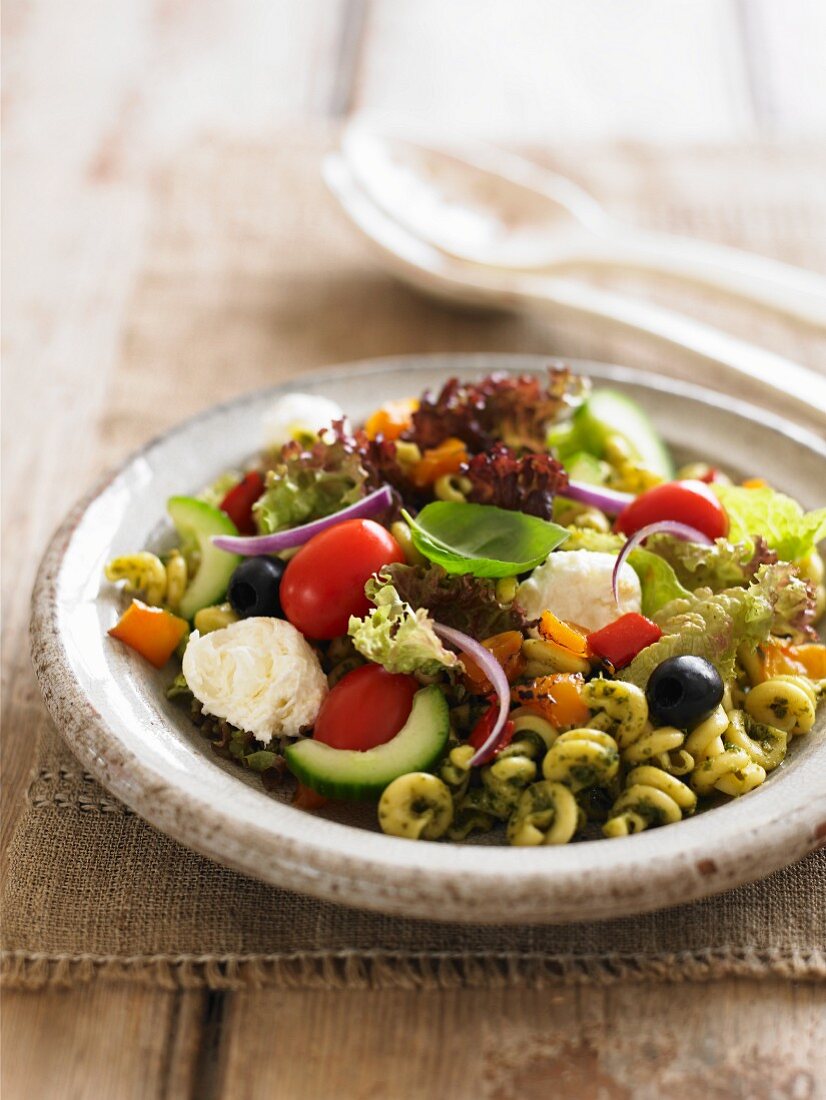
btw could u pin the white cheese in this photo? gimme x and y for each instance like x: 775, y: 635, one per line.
x: 259, y: 674
x: 298, y: 414
x: 576, y: 586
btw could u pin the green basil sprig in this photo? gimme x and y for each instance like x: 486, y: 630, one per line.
x: 483, y: 540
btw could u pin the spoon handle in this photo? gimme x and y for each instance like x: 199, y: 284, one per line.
x: 767, y: 283
x: 796, y: 386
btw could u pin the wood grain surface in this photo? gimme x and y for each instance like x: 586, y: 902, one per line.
x: 109, y: 106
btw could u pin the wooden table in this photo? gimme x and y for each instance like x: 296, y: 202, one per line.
x: 99, y: 99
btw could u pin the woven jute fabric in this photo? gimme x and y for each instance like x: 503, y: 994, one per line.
x: 251, y: 277
x: 95, y: 891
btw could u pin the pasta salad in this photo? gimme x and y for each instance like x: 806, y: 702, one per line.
x: 495, y: 608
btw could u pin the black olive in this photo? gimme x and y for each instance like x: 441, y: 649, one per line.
x: 254, y: 587
x: 683, y: 691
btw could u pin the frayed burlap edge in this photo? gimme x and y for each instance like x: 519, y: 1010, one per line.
x: 383, y: 970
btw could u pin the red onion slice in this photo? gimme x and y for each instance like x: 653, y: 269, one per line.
x: 372, y: 505
x: 611, y: 501
x: 662, y: 527
x: 494, y: 672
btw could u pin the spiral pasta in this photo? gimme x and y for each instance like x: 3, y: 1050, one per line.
x: 721, y: 764
x: 765, y: 745
x: 618, y: 708
x: 160, y: 582
x: 663, y: 747
x: 784, y: 702
x: 582, y: 758
x: 651, y: 797
x: 547, y: 813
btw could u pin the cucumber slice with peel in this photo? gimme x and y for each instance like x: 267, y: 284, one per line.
x: 348, y: 773
x: 608, y: 412
x: 196, y: 522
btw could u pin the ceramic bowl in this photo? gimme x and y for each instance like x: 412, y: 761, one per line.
x: 110, y: 705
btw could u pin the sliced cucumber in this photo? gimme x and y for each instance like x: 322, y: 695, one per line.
x: 347, y: 773
x: 196, y: 521
x: 606, y: 412
x: 582, y: 466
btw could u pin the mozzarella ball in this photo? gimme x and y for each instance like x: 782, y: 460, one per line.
x: 296, y: 415
x: 576, y: 586
x: 259, y: 674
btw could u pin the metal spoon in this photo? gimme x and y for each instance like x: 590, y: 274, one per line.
x: 489, y: 207
x: 419, y: 263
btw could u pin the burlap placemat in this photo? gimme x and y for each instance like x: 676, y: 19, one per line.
x: 95, y: 892
x: 250, y: 276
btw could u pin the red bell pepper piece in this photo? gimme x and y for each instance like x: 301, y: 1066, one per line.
x: 484, y: 727
x: 239, y: 501
x: 621, y: 641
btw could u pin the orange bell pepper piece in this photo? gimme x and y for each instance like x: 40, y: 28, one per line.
x: 507, y: 649
x: 447, y: 458
x: 391, y: 419
x: 754, y: 483
x: 150, y: 631
x: 785, y: 659
x: 563, y: 634
x: 557, y: 698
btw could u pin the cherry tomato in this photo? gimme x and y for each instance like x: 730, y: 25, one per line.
x: 690, y: 502
x: 239, y: 501
x: 367, y: 707
x: 323, y: 585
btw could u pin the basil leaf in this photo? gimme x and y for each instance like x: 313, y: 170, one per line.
x: 481, y: 539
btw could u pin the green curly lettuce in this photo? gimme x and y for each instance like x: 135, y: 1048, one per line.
x: 705, y: 625
x: 719, y: 566
x: 786, y: 528
x: 309, y: 483
x: 714, y: 625
x: 396, y: 636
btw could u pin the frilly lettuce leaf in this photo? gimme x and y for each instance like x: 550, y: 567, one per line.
x: 464, y: 602
x: 781, y: 521
x: 310, y: 483
x: 791, y: 597
x: 719, y: 566
x: 705, y: 625
x: 713, y: 626
x: 396, y: 636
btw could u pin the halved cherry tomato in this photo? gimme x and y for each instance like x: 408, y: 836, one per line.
x: 557, y: 698
x: 391, y: 419
x: 484, y: 727
x: 507, y: 649
x: 323, y: 585
x: 239, y: 501
x: 619, y: 642
x: 689, y: 501
x: 151, y: 631
x: 447, y: 458
x: 367, y: 707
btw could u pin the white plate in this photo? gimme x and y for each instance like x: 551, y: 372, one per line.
x: 110, y: 705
